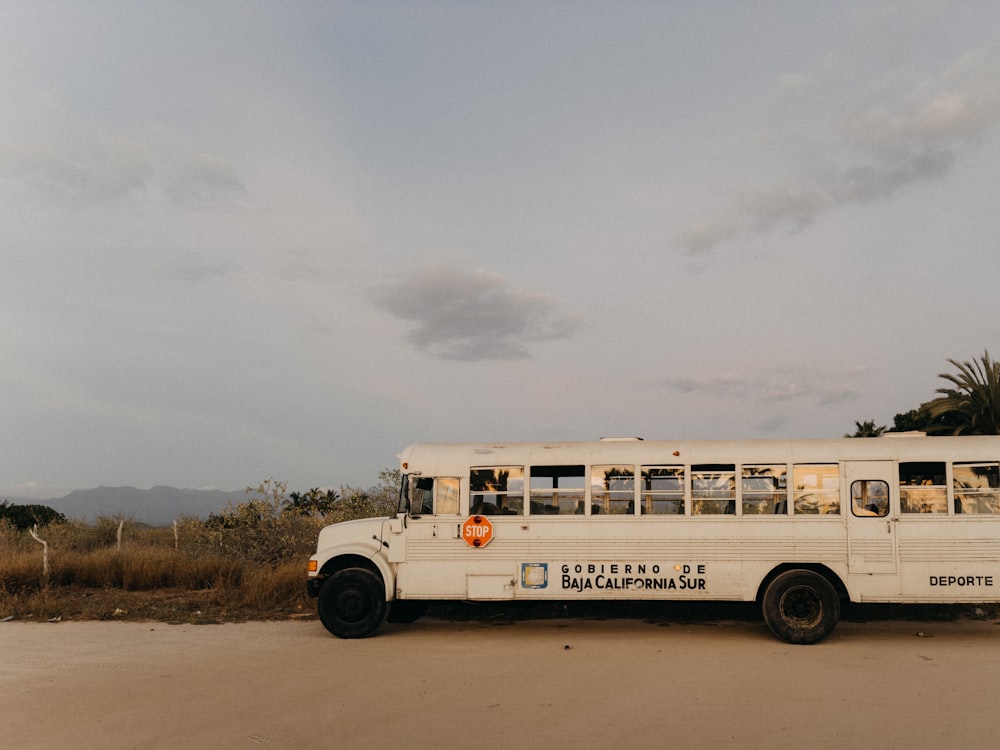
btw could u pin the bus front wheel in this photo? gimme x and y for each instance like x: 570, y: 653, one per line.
x: 801, y: 606
x: 352, y: 603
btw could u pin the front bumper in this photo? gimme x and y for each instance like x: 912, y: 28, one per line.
x: 313, y: 586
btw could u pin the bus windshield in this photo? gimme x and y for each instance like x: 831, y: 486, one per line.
x: 404, y: 495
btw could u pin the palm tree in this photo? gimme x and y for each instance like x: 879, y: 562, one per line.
x: 314, y: 502
x: 972, y: 405
x: 867, y: 429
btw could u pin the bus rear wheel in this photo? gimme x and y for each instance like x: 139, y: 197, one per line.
x: 352, y: 603
x: 801, y: 606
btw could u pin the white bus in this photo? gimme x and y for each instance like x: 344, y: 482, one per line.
x: 798, y: 526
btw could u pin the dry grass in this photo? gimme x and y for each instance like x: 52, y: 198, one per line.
x: 203, y: 574
x: 246, y: 563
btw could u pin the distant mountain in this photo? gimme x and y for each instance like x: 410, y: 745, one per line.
x: 158, y: 506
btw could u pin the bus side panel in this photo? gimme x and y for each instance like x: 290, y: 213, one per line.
x: 644, y: 558
x: 949, y: 558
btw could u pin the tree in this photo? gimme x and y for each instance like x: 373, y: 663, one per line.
x: 349, y: 502
x: 971, y: 405
x: 867, y: 429
x: 24, y: 517
x: 315, y: 502
x: 914, y: 420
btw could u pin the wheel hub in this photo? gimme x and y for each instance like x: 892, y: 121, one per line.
x: 802, y: 607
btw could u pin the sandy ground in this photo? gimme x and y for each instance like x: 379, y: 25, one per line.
x: 531, y: 684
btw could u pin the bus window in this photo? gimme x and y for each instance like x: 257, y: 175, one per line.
x: 817, y: 488
x: 765, y: 490
x: 427, y: 495
x: 612, y: 490
x: 870, y: 497
x: 557, y: 490
x: 922, y: 487
x: 977, y: 486
x: 662, y: 490
x: 498, y: 489
x: 713, y: 488
x: 421, y: 495
x: 446, y: 496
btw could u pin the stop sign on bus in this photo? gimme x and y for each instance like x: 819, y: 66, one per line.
x: 477, y: 531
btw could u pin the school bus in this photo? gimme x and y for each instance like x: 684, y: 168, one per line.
x: 799, y: 526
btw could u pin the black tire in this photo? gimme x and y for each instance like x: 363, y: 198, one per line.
x: 801, y: 606
x: 404, y: 611
x: 352, y: 603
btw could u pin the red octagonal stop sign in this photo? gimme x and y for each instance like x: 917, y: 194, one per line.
x: 477, y: 531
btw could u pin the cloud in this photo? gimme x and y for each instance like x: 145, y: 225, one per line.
x: 201, y: 178
x: 769, y: 388
x: 474, y: 315
x: 198, y: 266
x: 89, y: 171
x: 884, y: 144
x: 772, y: 423
x: 711, y: 385
x: 961, y: 104
x: 56, y: 154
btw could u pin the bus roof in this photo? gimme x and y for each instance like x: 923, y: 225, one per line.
x: 449, y: 458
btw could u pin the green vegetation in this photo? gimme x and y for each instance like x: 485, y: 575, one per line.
x: 247, y: 562
x: 970, y: 405
x: 867, y: 429
x: 23, y: 517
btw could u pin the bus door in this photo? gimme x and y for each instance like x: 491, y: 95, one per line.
x: 872, y: 510
x: 423, y: 531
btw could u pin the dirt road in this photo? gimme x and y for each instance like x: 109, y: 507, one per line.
x: 530, y: 684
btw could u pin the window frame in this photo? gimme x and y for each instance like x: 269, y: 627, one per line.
x: 868, y: 504
x: 970, y: 500
x: 608, y: 501
x: 650, y: 496
x: 828, y: 498
x: 504, y: 499
x: 777, y: 504
x: 564, y: 501
x: 919, y: 493
x: 718, y: 495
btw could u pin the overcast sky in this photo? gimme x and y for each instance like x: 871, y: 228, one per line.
x: 256, y: 239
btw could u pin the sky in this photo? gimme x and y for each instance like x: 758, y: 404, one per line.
x: 245, y: 240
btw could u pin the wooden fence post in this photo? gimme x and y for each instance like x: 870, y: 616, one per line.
x: 45, y: 551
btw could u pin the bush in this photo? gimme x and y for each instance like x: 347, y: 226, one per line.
x: 246, y: 562
x: 25, y: 516
x: 259, y: 530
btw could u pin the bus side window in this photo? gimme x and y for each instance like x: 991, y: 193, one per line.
x: 421, y: 495
x: 496, y: 490
x: 662, y: 490
x: 977, y: 487
x: 922, y: 487
x: 817, y: 489
x: 446, y: 496
x: 765, y: 490
x: 870, y: 497
x: 713, y: 489
x: 557, y: 490
x: 612, y: 490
